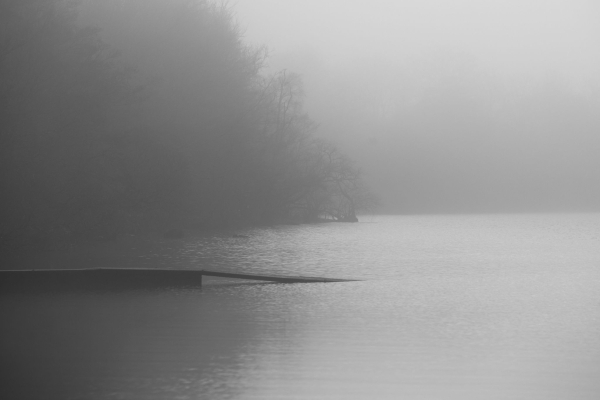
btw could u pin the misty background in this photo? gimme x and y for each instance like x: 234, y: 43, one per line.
x: 129, y: 116
x: 450, y: 106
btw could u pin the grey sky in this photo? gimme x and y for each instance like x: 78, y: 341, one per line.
x: 450, y: 105
x: 511, y: 35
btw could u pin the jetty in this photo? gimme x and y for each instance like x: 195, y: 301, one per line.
x: 129, y: 278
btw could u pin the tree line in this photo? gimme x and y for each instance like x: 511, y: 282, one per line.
x: 98, y: 140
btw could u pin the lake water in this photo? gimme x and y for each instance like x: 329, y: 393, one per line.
x: 449, y: 307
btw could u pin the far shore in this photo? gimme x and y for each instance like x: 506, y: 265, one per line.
x: 124, y: 251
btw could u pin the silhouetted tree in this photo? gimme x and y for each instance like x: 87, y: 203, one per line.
x: 304, y: 178
x: 193, y: 136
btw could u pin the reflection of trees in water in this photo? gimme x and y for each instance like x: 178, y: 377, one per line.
x: 131, y: 344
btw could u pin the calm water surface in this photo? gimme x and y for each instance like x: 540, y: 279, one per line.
x: 451, y: 307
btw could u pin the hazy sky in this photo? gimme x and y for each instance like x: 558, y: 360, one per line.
x: 448, y: 105
x: 511, y: 35
x: 411, y: 89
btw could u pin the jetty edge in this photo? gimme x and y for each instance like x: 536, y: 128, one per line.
x: 130, y: 278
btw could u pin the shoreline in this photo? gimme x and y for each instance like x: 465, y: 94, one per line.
x: 128, y: 250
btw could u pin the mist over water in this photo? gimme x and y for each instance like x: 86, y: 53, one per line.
x: 453, y: 307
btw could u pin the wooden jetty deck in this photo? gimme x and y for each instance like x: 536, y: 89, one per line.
x: 128, y: 278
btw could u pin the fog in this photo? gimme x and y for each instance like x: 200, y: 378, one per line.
x: 135, y: 117
x: 450, y: 106
x: 125, y: 117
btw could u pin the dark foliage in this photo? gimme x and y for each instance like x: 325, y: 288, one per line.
x: 91, y: 148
